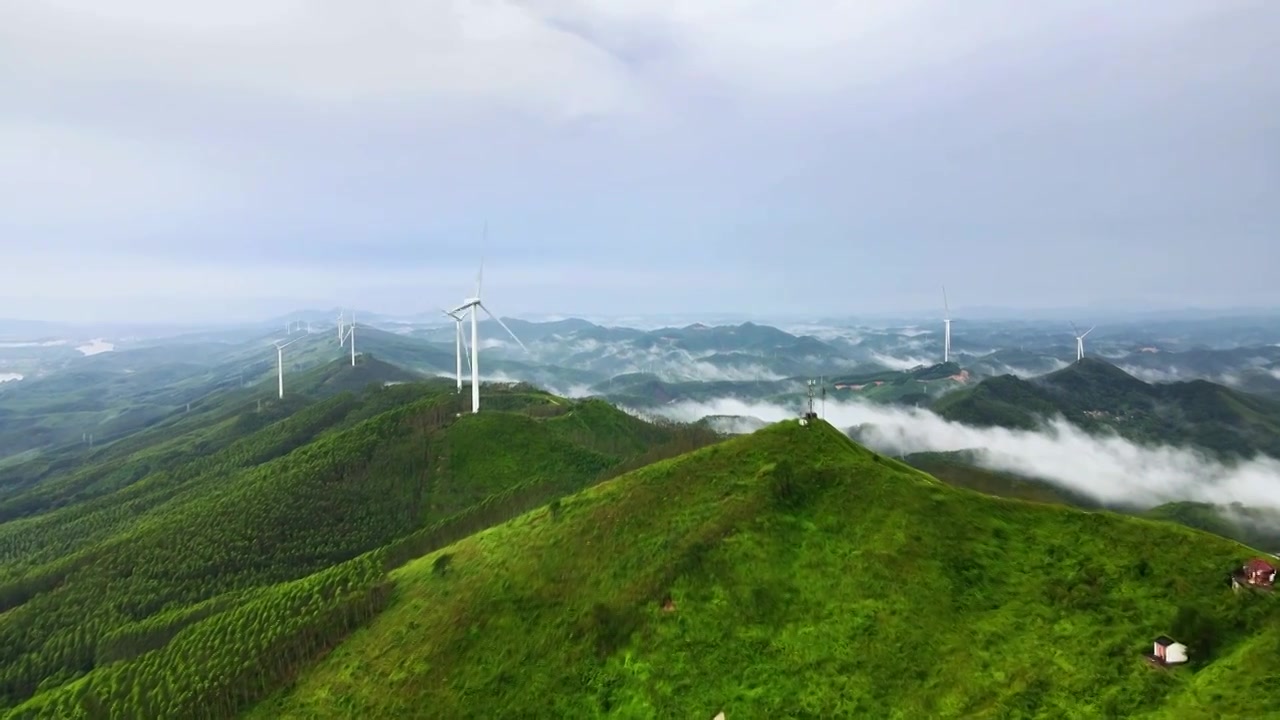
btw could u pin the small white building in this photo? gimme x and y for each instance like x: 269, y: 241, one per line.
x: 1170, y: 652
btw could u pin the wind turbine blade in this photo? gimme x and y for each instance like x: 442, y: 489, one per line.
x: 946, y: 306
x: 1086, y: 332
x: 1075, y: 332
x: 480, y: 276
x: 504, y: 326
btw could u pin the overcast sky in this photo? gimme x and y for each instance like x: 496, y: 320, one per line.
x: 168, y: 160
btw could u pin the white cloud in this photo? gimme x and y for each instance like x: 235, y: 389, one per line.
x: 1154, y: 375
x: 998, y: 368
x: 897, y: 363
x: 96, y: 346
x: 1108, y: 468
x: 442, y: 52
x: 773, y: 51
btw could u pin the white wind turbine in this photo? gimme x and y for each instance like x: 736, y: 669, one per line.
x: 351, y: 335
x: 946, y: 323
x: 342, y: 328
x: 472, y: 304
x: 1080, y: 340
x: 460, y: 343
x: 280, y: 362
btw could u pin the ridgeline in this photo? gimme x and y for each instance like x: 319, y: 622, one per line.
x: 793, y: 573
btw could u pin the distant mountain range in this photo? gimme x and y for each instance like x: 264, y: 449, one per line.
x: 1095, y: 395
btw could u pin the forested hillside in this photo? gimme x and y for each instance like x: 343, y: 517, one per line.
x: 181, y: 541
x: 793, y: 573
x: 1094, y: 395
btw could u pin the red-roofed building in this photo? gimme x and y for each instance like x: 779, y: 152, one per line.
x: 1259, y: 572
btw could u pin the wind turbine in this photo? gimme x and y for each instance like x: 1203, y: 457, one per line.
x: 473, y: 304
x: 280, y: 361
x: 460, y: 342
x: 1080, y: 340
x: 351, y: 335
x: 342, y: 328
x: 946, y: 323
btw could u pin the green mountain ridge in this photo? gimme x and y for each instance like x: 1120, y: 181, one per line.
x: 791, y: 573
x: 166, y: 530
x: 917, y: 386
x: 1096, y: 395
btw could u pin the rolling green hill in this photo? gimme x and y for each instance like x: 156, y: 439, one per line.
x: 217, y: 515
x: 918, y: 386
x: 793, y: 573
x: 646, y: 390
x: 1095, y: 395
x: 115, y: 394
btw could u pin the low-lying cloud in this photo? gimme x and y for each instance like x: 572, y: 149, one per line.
x: 1106, y: 467
x: 899, y: 363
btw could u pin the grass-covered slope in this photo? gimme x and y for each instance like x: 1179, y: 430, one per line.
x: 809, y: 578
x: 116, y: 558
x: 1094, y: 394
x: 1255, y: 527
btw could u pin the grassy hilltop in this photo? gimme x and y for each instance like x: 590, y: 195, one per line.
x: 201, y: 529
x: 812, y: 578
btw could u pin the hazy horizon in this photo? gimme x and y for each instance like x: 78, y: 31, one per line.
x: 985, y: 316
x: 163, y: 162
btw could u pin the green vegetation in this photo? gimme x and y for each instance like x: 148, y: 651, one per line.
x: 646, y: 390
x: 1255, y: 527
x: 957, y: 469
x: 918, y: 386
x: 364, y: 548
x: 809, y: 577
x: 113, y: 395
x: 185, y: 570
x: 1096, y: 395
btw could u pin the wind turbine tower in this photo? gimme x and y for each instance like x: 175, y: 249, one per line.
x: 280, y: 362
x: 459, y: 342
x: 474, y: 304
x: 1080, y: 340
x: 946, y: 324
x: 351, y: 335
